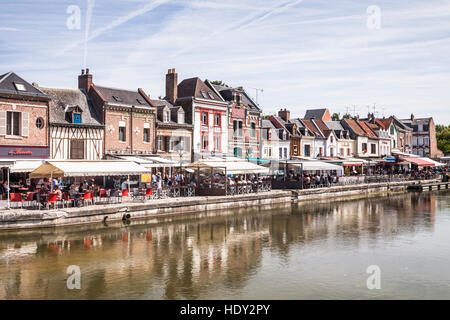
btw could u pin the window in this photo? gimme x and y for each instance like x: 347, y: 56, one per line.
x: 205, y: 118
x: 122, y: 136
x: 146, y: 135
x: 117, y: 98
x: 280, y: 153
x: 211, y: 95
x: 331, y: 139
x: 270, y: 152
x: 180, y: 117
x: 76, y: 118
x: 40, y: 123
x: 426, y: 141
x: 159, y: 143
x: 217, y: 143
x: 204, y: 142
x: 320, y: 151
x: 13, y: 123
x: 166, y: 116
x: 238, y: 99
x: 237, y: 152
x: 77, y: 149
x: 364, y: 147
x: 285, y: 153
x: 19, y: 86
x: 295, y: 150
x: 237, y: 128
x: 341, y: 151
x: 307, y: 150
x: 348, y: 151
x: 392, y: 130
x: 204, y: 94
x: 331, y: 152
x: 269, y: 134
x: 252, y: 129
x: 217, y: 122
x: 373, y: 148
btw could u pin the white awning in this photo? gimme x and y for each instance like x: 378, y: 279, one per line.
x: 22, y: 166
x: 436, y: 164
x: 318, y: 166
x: 151, y: 162
x: 231, y: 166
x: 6, y: 163
x: 71, y: 168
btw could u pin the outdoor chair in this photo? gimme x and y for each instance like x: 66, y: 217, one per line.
x: 52, y: 199
x: 88, y: 198
x: 148, y: 193
x: 103, y: 195
x: 30, y: 200
x: 16, y: 198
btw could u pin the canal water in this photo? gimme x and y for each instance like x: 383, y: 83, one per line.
x: 314, y: 250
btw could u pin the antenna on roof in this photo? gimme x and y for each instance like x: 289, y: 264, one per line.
x: 257, y: 90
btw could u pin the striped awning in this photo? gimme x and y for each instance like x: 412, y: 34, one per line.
x: 418, y: 161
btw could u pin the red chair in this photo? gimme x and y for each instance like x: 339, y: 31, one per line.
x: 148, y: 193
x: 103, y: 195
x: 88, y: 198
x: 16, y: 198
x: 52, y: 199
x: 125, y: 193
x: 30, y: 199
x: 66, y: 199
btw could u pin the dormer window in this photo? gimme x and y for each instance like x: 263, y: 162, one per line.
x: 211, y: 95
x: 74, y: 114
x: 117, y: 98
x: 140, y: 101
x: 180, y: 116
x: 76, y: 117
x: 166, y: 116
x: 19, y: 86
x: 238, y: 99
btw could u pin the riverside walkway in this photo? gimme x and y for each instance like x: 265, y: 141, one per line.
x: 26, y: 219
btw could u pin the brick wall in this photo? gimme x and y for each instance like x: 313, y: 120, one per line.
x: 35, y: 110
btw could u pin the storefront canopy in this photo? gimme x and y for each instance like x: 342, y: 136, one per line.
x: 230, y: 166
x: 72, y: 168
x: 318, y: 166
x: 22, y: 166
x: 152, y: 162
x: 418, y: 161
x: 436, y: 164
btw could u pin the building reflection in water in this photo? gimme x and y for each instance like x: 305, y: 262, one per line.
x: 190, y: 259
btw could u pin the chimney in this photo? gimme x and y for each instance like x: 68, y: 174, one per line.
x: 85, y: 80
x: 172, y: 85
x: 284, y: 114
x: 412, y: 117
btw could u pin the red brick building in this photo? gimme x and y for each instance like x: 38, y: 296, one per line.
x: 128, y: 116
x: 24, y: 115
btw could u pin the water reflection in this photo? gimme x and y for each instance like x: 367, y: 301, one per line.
x: 220, y: 256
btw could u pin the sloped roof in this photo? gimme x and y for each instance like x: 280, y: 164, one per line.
x: 193, y: 87
x: 384, y: 123
x: 61, y: 98
x: 354, y: 127
x: 311, y: 127
x: 227, y: 94
x: 315, y: 114
x: 334, y: 125
x: 7, y: 86
x: 267, y: 124
x: 367, y: 129
x: 126, y: 97
x: 322, y: 127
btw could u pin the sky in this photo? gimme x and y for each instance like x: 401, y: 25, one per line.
x: 349, y: 55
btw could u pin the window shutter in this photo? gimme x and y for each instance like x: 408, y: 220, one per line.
x: 2, y: 123
x: 25, y: 124
x: 187, y: 144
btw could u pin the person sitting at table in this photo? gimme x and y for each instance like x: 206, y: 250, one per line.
x: 3, y: 190
x: 73, y: 194
x: 43, y: 192
x: 81, y: 188
x: 58, y: 192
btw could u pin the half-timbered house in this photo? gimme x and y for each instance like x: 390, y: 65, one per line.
x: 76, y: 129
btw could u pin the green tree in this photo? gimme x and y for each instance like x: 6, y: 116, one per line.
x: 443, y: 138
x: 336, y: 116
x: 220, y: 83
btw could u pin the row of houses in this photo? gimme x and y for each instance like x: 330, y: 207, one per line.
x: 196, y: 119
